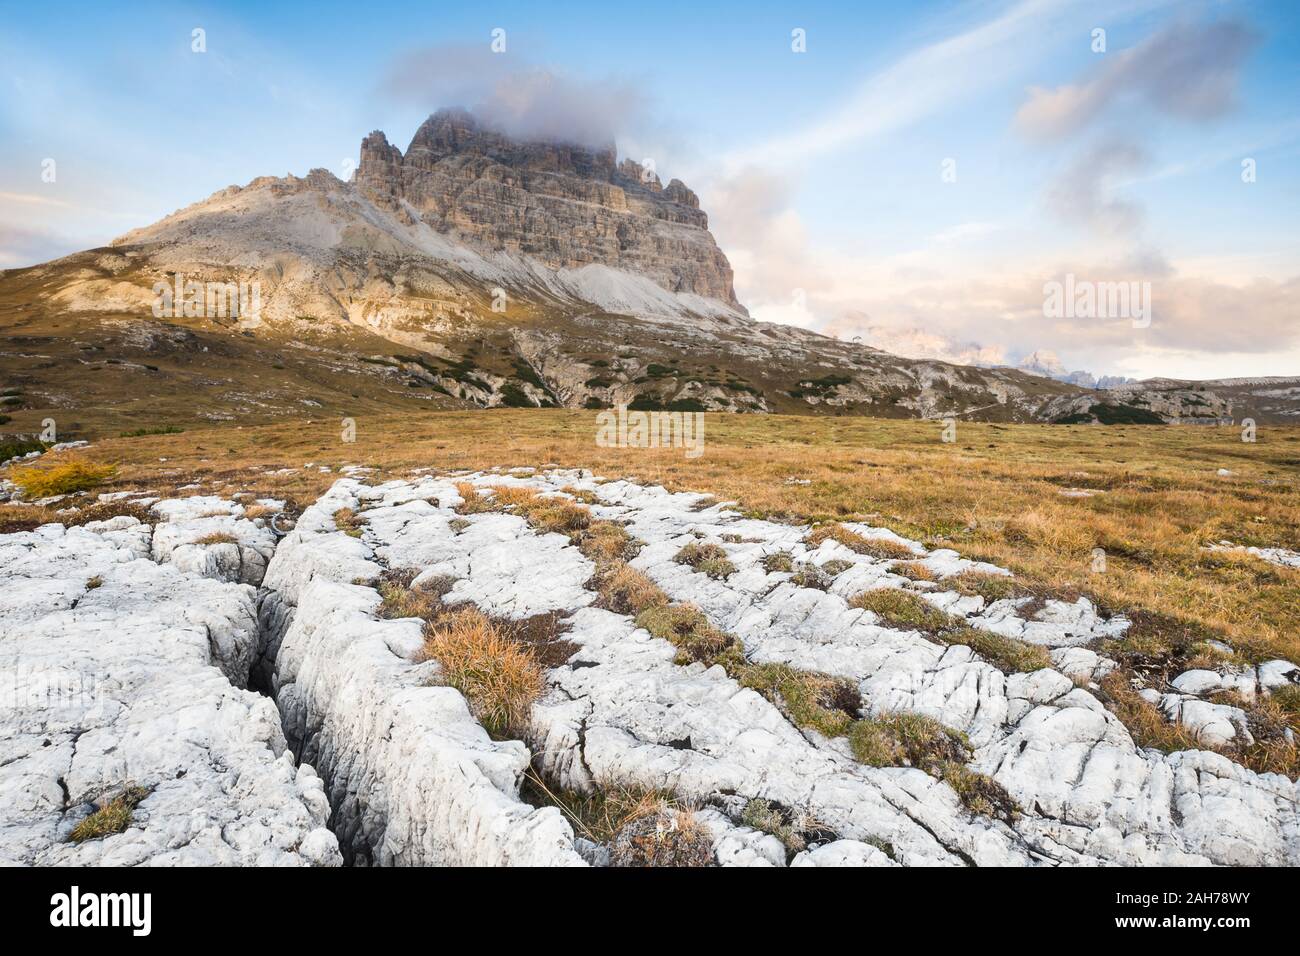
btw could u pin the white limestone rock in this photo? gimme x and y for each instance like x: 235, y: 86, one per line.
x: 121, y: 672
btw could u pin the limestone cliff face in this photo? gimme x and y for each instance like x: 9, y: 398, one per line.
x: 565, y: 205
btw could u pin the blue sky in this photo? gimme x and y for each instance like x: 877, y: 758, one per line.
x: 821, y: 170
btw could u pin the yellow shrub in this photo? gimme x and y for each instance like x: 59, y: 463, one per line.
x: 61, y: 479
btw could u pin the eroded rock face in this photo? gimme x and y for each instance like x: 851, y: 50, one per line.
x: 122, y: 670
x: 413, y: 778
x: 566, y: 206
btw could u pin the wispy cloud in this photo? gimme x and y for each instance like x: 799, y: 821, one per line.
x: 1187, y: 70
x: 925, y: 81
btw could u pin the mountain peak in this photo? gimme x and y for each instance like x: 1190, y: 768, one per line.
x: 563, y: 204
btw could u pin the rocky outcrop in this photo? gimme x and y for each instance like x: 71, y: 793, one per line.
x: 566, y: 206
x: 413, y: 778
x: 124, y: 678
x: 1139, y: 404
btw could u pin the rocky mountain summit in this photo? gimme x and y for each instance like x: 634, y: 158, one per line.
x: 564, y: 205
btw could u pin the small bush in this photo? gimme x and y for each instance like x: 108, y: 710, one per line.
x: 16, y: 447
x: 61, y: 479
x: 499, y: 677
x: 111, y: 817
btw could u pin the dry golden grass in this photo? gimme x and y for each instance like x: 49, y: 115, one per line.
x: 625, y: 590
x: 217, y: 537
x: 993, y: 496
x: 60, y: 478
x: 348, y: 521
x: 499, y: 677
x: 881, y: 548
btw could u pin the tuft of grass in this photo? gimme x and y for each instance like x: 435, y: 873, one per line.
x: 218, y: 537
x: 908, y: 611
x: 686, y: 627
x: 1144, y: 720
x: 581, y: 494
x: 474, y: 502
x: 795, y: 829
x: 61, y: 479
x: 400, y: 600
x: 1012, y: 655
x: 600, y: 814
x: 1287, y: 698
x: 710, y: 559
x: 808, y: 575
x: 914, y: 571
x: 113, y: 816
x: 814, y: 701
x: 606, y: 542
x: 903, y: 610
x: 160, y: 430
x: 880, y: 548
x: 991, y: 587
x: 778, y: 561
x: 915, y: 740
x: 498, y: 676
x: 625, y: 590
x: 665, y: 838
x: 348, y: 521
